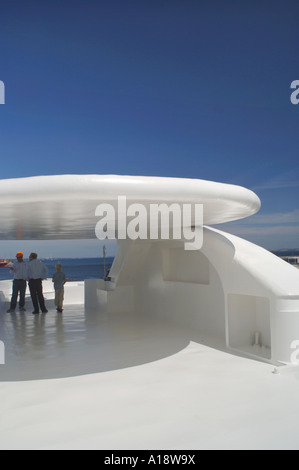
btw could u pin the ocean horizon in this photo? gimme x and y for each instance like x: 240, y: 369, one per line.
x: 75, y: 269
x: 79, y: 269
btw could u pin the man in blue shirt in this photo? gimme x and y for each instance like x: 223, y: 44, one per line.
x: 37, y: 271
x: 20, y: 273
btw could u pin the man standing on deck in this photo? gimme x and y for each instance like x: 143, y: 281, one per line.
x: 37, y: 272
x: 20, y: 272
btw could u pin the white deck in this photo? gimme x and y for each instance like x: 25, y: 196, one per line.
x: 112, y: 382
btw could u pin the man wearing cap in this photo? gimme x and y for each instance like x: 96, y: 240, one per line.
x: 20, y: 273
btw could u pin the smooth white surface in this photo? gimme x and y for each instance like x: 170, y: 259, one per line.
x: 228, y: 292
x: 81, y: 381
x: 146, y: 363
x: 63, y: 206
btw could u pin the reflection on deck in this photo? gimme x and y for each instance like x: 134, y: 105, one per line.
x: 74, y: 343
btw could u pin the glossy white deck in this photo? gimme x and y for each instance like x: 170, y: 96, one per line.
x: 156, y: 360
x: 81, y: 381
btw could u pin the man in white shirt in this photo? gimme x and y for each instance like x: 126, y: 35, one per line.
x: 20, y: 273
x: 37, y: 271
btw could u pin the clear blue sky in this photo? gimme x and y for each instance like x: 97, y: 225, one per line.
x: 187, y: 88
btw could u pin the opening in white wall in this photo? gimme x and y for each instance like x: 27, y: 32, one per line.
x: 249, y: 324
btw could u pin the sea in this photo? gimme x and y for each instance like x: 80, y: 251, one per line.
x: 75, y: 269
x: 79, y: 269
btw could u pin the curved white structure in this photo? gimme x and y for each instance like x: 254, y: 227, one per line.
x: 235, y: 293
x: 57, y: 207
x: 237, y: 300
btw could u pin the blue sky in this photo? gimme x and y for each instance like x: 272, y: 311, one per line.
x: 197, y: 89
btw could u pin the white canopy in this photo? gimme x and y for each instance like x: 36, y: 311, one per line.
x: 63, y: 206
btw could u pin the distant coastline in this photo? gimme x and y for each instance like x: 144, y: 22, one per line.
x: 286, y: 252
x: 78, y: 269
x: 280, y: 252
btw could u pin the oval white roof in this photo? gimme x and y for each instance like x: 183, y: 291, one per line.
x: 63, y: 206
